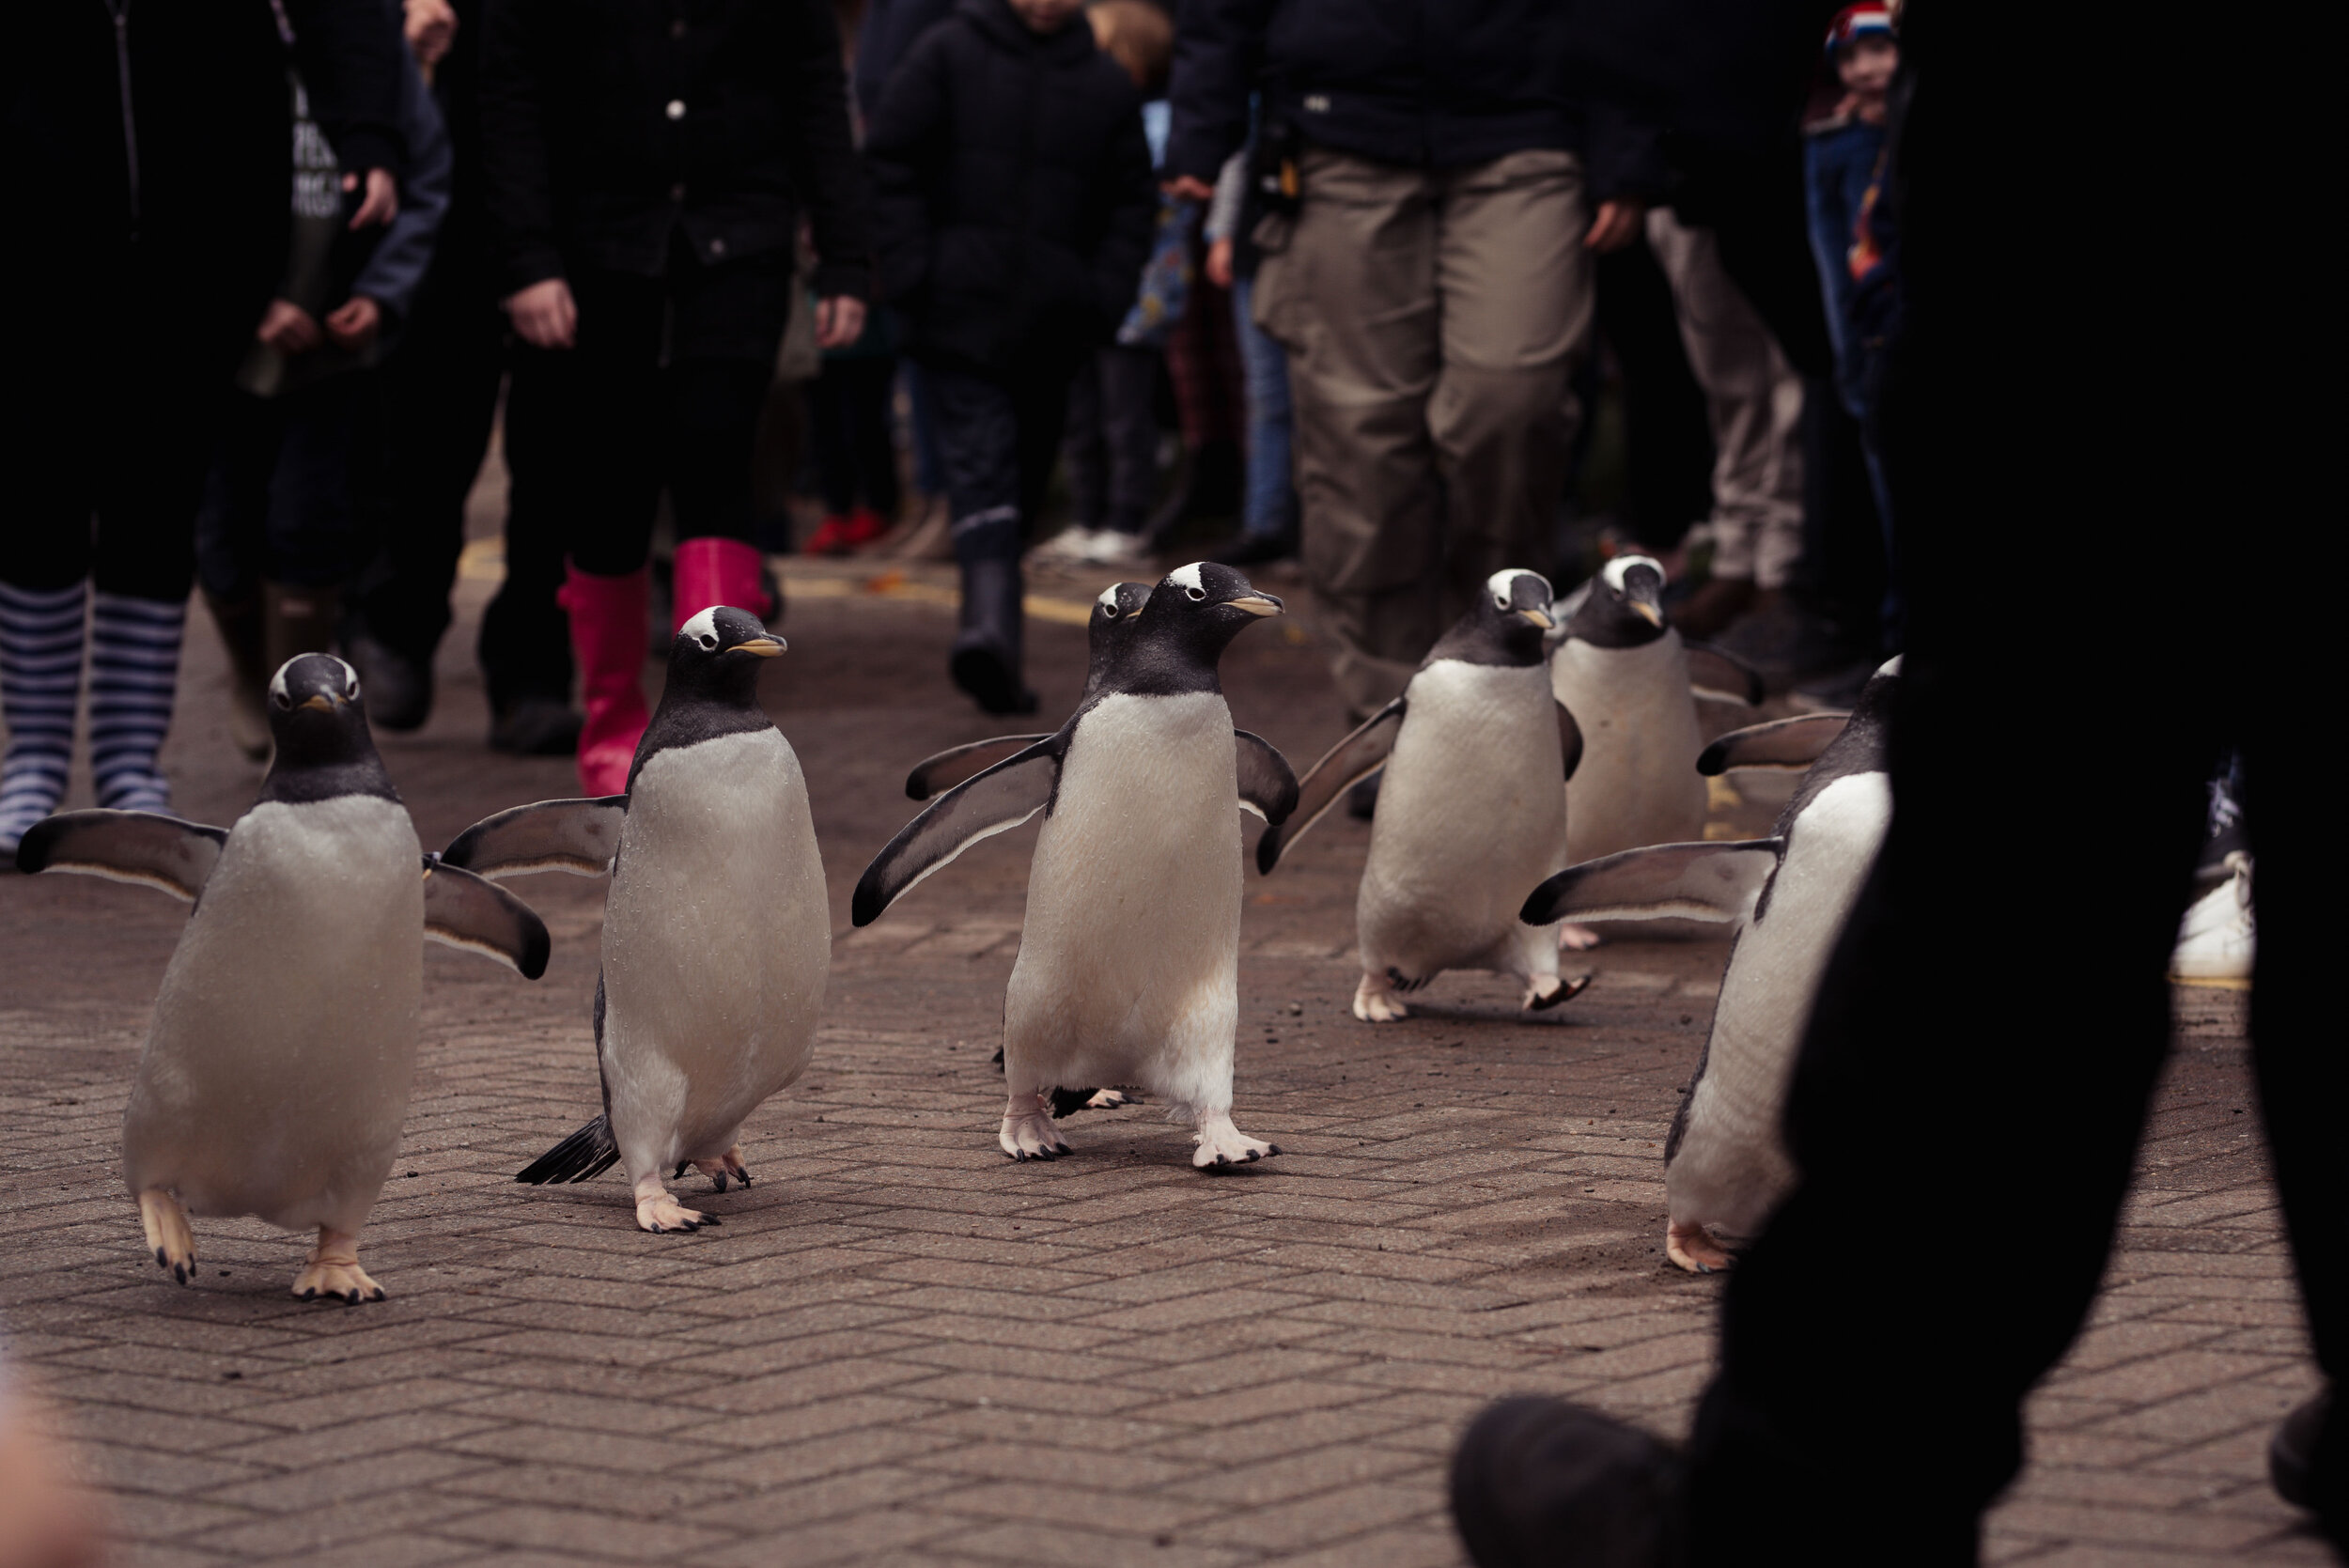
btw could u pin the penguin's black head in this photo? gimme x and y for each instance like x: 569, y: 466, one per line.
x: 1182, y: 629
x: 1506, y: 624
x: 324, y: 748
x: 1111, y: 627
x: 1625, y: 608
x: 717, y: 657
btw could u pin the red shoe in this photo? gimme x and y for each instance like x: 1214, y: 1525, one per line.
x: 832, y: 538
x: 864, y: 526
x: 608, y: 640
x: 714, y: 570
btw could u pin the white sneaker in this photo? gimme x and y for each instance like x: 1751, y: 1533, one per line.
x: 1071, y: 544
x: 2217, y: 939
x: 1112, y: 547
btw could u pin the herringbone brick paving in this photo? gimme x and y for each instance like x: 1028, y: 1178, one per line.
x: 900, y: 1347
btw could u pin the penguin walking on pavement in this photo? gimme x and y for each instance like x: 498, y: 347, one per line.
x: 717, y: 935
x: 1129, y: 966
x: 1725, y: 1163
x: 278, y: 1067
x: 1470, y: 812
x: 1626, y: 674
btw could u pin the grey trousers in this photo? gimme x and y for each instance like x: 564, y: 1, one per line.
x: 1431, y: 317
x: 1755, y: 402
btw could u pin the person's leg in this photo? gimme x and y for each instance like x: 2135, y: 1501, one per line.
x: 1130, y: 436
x: 874, y: 387
x: 1515, y: 288
x: 1270, y: 509
x: 231, y: 544
x: 978, y: 439
x: 327, y: 468
x: 1668, y: 436
x: 525, y: 644
x: 1086, y: 447
x: 1350, y: 293
x: 713, y: 410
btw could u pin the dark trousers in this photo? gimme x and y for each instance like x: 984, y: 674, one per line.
x: 1113, y: 438
x: 662, y: 391
x: 856, y: 456
x: 998, y: 434
x: 1965, y: 1138
x: 296, y: 489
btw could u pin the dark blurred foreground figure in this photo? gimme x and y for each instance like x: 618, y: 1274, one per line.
x: 2062, y: 713
x: 147, y: 164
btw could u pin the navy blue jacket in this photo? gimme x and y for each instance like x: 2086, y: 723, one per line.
x: 1423, y: 85
x: 1013, y: 196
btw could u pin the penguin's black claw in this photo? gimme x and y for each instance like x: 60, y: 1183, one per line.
x: 1271, y: 1149
x: 179, y: 1272
x: 351, y: 1299
x: 163, y: 1259
x: 744, y: 1177
x: 681, y: 1166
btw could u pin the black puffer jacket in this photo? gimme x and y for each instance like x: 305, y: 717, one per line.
x: 606, y: 124
x: 1012, y: 188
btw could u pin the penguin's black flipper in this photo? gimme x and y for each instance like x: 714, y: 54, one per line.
x: 1694, y: 881
x: 577, y: 836
x: 583, y: 1156
x: 1267, y: 785
x: 1780, y: 743
x: 1569, y: 740
x: 1721, y: 677
x: 1325, y: 784
x: 994, y: 801
x: 945, y: 769
x: 142, y: 846
x: 471, y: 912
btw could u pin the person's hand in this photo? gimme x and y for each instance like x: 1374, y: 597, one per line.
x: 1617, y: 225
x: 354, y: 323
x: 1189, y: 187
x: 288, y: 328
x: 382, y: 199
x: 544, y: 314
x: 430, y: 26
x: 1220, y: 263
x: 839, y: 321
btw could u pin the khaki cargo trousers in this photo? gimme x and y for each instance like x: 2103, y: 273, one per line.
x: 1432, y: 318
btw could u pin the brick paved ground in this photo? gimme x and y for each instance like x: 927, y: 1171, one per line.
x: 901, y: 1349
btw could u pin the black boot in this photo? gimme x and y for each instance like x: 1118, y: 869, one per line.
x: 398, y: 688
x: 986, y: 658
x: 241, y: 632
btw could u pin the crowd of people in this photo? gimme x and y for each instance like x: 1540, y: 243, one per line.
x: 1377, y: 278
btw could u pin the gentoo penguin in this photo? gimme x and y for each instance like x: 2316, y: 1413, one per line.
x: 716, y: 935
x: 1470, y: 812
x: 1627, y: 676
x: 1725, y: 1166
x: 1129, y: 961
x: 278, y: 1067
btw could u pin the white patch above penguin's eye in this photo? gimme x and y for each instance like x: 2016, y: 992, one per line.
x: 1107, y: 599
x: 1614, y: 570
x: 703, y: 628
x: 1189, y: 577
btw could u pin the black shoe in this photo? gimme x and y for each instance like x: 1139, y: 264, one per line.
x: 1537, y: 1481
x: 1254, y: 549
x: 536, y: 727
x: 986, y: 658
x: 1361, y: 801
x: 398, y: 689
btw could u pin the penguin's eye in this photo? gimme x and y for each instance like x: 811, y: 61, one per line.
x: 1108, y: 612
x: 1196, y: 594
x: 1500, y: 601
x: 707, y: 640
x: 282, y: 699
x: 350, y: 690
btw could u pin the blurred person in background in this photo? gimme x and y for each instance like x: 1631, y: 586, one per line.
x: 645, y: 175
x: 1444, y: 177
x: 47, y: 1520
x: 148, y: 158
x: 295, y: 496
x: 1267, y: 523
x: 1015, y: 207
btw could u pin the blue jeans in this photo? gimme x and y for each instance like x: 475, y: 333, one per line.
x: 1270, y: 505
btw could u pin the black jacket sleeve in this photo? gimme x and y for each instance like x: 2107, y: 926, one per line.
x: 518, y: 179
x: 349, y: 52
x: 904, y: 143
x: 1219, y: 50
x: 824, y: 167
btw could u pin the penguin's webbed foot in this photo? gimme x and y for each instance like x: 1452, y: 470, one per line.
x: 1577, y: 938
x: 1374, y: 1000
x: 332, y: 1273
x: 727, y: 1167
x: 1109, y: 1099
x: 1028, y: 1132
x: 1222, y: 1145
x: 1547, y: 991
x: 663, y: 1215
x: 1692, y: 1247
x: 168, y: 1235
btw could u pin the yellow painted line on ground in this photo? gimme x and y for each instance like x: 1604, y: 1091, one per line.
x: 2211, y: 985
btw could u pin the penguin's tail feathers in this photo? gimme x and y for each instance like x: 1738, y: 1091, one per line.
x: 580, y: 1157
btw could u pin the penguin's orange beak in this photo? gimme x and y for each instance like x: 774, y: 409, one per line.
x: 762, y: 647
x: 1539, y: 618
x: 1257, y: 604
x: 322, y: 702
x: 1651, y: 613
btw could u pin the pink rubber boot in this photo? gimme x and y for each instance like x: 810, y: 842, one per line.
x: 714, y: 570
x: 608, y: 640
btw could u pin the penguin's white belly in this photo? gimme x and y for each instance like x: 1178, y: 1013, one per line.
x: 1730, y: 1167
x: 1638, y: 782
x: 1470, y: 818
x: 1129, y: 955
x: 284, y: 1045
x: 717, y: 939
